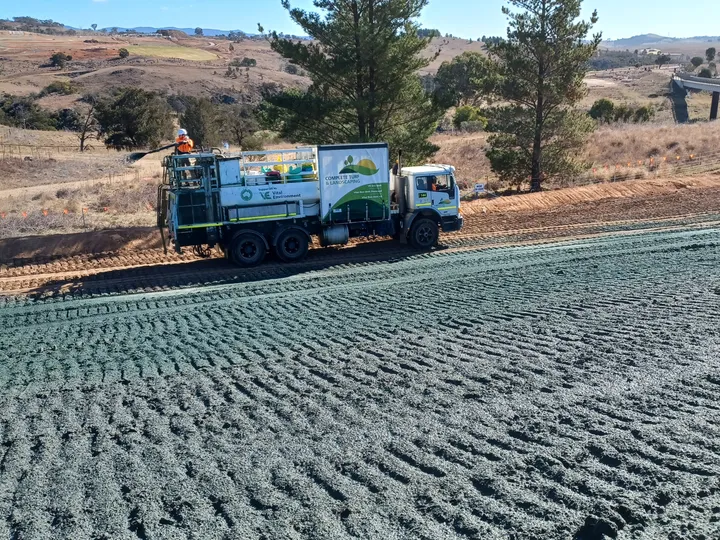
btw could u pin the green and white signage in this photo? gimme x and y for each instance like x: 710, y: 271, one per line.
x: 354, y: 182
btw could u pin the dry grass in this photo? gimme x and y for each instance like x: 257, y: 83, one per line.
x: 72, y: 181
x: 93, y: 206
x: 622, y: 144
x: 448, y: 49
x: 631, y: 86
x: 52, y: 185
x: 467, y: 154
x: 190, y: 65
x: 608, y: 146
x: 26, y: 172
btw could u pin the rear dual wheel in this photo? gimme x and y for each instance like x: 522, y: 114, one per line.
x: 248, y: 249
x: 292, y: 245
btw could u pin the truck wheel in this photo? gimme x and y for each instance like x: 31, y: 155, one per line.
x: 292, y: 245
x: 248, y: 250
x: 424, y: 234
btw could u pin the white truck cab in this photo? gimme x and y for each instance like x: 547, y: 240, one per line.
x: 427, y: 192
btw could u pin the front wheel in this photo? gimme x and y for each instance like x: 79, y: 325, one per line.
x: 292, y: 245
x: 424, y: 234
x: 248, y: 250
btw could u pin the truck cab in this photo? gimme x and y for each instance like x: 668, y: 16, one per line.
x: 427, y: 192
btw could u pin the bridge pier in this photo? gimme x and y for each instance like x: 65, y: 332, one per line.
x: 714, y: 106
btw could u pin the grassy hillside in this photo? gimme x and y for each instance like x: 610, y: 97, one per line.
x: 189, y: 65
x: 172, y: 51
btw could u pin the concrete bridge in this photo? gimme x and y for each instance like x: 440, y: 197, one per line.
x: 685, y: 82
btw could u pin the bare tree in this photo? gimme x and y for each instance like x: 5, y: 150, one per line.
x: 88, y: 125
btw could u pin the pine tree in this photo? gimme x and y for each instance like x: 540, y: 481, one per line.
x: 363, y: 62
x: 541, y: 64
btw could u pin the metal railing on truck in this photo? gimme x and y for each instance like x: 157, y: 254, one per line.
x: 196, y: 180
x: 302, y: 167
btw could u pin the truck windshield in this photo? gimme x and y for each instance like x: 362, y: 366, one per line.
x: 443, y: 182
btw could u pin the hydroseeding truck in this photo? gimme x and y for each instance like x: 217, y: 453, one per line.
x: 253, y: 202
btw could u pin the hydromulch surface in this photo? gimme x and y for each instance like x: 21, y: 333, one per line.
x: 559, y: 391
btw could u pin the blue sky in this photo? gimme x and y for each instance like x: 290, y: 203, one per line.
x: 463, y: 18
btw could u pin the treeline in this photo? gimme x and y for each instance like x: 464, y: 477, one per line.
x: 492, y: 40
x: 429, y: 33
x: 605, y: 60
x: 38, y: 26
x: 135, y: 118
x: 24, y: 112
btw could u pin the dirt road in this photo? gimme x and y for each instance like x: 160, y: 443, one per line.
x: 549, y: 391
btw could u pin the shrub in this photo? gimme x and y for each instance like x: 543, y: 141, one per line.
x: 697, y: 61
x: 608, y: 112
x: 60, y: 59
x: 603, y: 110
x: 64, y: 88
x: 705, y: 72
x: 292, y: 69
x: 123, y: 53
x: 245, y: 62
x: 466, y: 114
x: 622, y: 113
x: 663, y: 59
x: 643, y: 114
x: 68, y: 120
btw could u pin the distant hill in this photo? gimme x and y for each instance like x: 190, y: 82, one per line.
x: 644, y: 40
x: 209, y: 32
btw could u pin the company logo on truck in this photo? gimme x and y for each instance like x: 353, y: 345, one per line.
x: 246, y: 195
x: 351, y: 172
x: 366, y: 167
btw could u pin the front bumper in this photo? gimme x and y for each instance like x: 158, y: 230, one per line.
x: 452, y: 224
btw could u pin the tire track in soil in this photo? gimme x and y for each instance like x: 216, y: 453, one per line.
x: 295, y: 426
x: 136, y: 272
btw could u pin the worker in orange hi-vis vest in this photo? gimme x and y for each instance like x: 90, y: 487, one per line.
x: 184, y: 145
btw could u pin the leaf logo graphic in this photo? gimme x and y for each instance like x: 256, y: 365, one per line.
x: 366, y: 167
